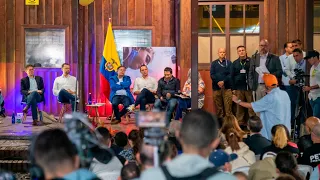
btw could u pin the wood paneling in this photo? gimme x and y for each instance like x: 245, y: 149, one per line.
x: 157, y: 15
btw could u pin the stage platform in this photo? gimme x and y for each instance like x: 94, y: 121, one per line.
x: 9, y: 131
x: 15, y: 141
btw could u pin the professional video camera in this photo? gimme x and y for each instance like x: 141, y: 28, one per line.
x: 87, y: 140
x: 299, y: 76
x: 155, y: 123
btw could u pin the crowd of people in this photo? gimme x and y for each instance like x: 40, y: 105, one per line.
x: 255, y: 136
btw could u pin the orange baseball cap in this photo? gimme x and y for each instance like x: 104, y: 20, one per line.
x: 270, y: 80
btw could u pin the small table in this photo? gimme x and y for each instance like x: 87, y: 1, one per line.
x: 95, y: 107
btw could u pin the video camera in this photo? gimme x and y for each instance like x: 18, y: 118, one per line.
x: 86, y: 139
x: 299, y: 76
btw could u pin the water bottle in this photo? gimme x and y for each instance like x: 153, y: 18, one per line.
x: 13, y: 118
x: 89, y: 99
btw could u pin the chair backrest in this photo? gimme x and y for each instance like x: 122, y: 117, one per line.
x: 306, y: 170
x: 269, y: 154
x: 244, y: 169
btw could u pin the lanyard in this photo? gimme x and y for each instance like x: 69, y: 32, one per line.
x: 243, y: 65
x: 222, y: 64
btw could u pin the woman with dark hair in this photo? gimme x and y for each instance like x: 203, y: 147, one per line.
x: 286, y: 163
x: 279, y: 142
x: 134, y: 57
x: 135, y: 140
x: 235, y: 145
x: 229, y: 122
x: 168, y: 151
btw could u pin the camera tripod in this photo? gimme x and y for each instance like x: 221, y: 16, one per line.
x: 300, y: 111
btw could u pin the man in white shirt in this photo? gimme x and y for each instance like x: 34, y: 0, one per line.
x: 64, y: 86
x: 314, y: 94
x: 145, y: 88
x: 283, y: 59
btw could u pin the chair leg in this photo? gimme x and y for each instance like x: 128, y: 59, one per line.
x: 62, y: 111
x: 127, y: 118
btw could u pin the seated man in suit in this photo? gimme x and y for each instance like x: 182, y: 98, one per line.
x: 32, y: 89
x: 255, y: 140
x: 2, y: 110
x: 120, y: 93
x: 65, y: 86
x: 168, y: 86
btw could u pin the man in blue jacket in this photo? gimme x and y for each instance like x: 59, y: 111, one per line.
x: 120, y: 93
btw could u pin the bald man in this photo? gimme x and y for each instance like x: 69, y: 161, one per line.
x: 305, y: 141
x: 263, y: 62
x: 311, y: 156
x: 220, y: 73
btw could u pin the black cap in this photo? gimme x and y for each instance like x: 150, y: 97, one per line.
x: 311, y: 54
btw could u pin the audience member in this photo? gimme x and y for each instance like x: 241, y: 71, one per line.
x: 255, y: 140
x: 168, y: 86
x: 240, y: 175
x: 220, y: 73
x: 264, y: 169
x: 245, y: 156
x: 145, y: 156
x: 55, y: 154
x: 184, y: 102
x: 285, y: 177
x: 280, y: 142
x: 64, y: 86
x: 274, y: 108
x: 174, y: 129
x: 229, y: 122
x: 315, y: 175
x: 145, y: 87
x: 32, y: 89
x: 120, y: 93
x: 135, y: 141
x: 196, y: 148
x: 167, y: 151
x: 121, y: 141
x: 240, y: 87
x: 305, y: 141
x: 221, y: 160
x: 102, y: 166
x: 311, y: 155
x: 286, y: 163
x: 130, y: 171
x: 263, y: 63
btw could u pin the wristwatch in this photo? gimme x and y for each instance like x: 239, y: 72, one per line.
x: 239, y: 101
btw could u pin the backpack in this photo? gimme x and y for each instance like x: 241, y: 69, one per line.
x: 205, y: 174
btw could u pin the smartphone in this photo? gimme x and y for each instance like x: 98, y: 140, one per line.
x: 151, y: 119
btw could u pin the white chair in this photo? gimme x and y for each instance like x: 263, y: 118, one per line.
x: 306, y: 170
x: 244, y: 169
x: 269, y: 154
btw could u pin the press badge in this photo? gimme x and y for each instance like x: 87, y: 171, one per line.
x: 242, y: 71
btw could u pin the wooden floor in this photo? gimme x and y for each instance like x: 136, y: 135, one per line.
x: 26, y: 130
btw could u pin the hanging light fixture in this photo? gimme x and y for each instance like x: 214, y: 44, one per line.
x: 85, y: 2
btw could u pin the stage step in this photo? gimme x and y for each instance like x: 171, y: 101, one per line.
x: 14, y: 156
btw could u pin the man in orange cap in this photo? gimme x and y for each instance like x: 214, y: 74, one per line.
x: 274, y: 108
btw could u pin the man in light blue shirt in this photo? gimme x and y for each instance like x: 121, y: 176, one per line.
x: 283, y: 59
x: 199, y: 136
x: 274, y: 108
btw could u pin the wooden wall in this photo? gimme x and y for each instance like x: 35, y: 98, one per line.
x: 93, y: 22
x: 284, y: 20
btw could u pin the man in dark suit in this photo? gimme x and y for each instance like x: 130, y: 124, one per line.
x: 262, y: 63
x: 32, y: 89
x: 255, y: 140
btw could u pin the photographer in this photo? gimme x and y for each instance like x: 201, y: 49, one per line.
x: 296, y: 82
x: 314, y: 95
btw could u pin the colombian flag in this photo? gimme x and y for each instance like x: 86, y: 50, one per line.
x: 109, y: 62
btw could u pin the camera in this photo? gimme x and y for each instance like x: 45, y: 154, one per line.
x: 299, y: 74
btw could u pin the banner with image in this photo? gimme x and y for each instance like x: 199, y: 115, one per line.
x: 156, y: 58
